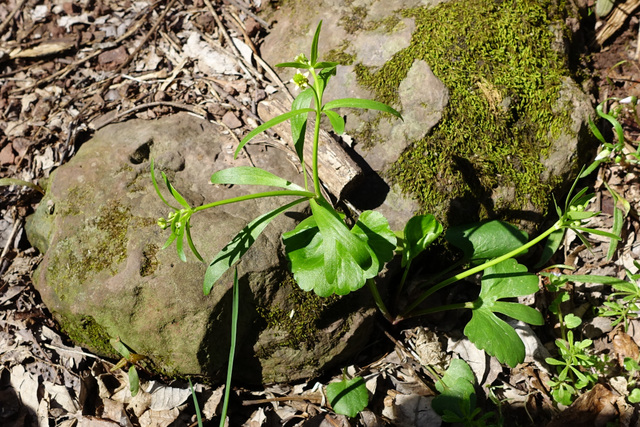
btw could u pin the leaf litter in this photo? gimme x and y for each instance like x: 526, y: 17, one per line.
x: 69, y: 68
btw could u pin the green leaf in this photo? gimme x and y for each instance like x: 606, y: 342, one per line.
x: 551, y: 245
x: 134, y: 381
x: 456, y: 388
x: 591, y: 278
x: 174, y: 192
x: 239, y: 245
x: 155, y: 185
x: 337, y: 240
x: 324, y: 76
x: 120, y: 348
x: 373, y: 228
x: 299, y: 122
x: 271, y: 123
x: 634, y: 396
x: 487, y: 331
x: 14, y: 181
x: 314, y: 45
x: 337, y: 122
x: 292, y: 65
x: 419, y: 232
x: 486, y: 240
x: 348, y: 397
x: 327, y: 260
x: 248, y: 175
x: 325, y: 64
x: 360, y: 103
x: 572, y: 321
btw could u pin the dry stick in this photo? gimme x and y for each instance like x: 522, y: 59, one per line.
x: 137, y: 50
x: 246, y: 10
x: 66, y: 70
x: 11, y: 15
x: 16, y: 226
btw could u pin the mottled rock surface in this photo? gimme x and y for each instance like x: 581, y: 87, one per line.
x: 104, y: 275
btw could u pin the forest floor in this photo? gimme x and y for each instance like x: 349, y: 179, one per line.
x: 70, y: 68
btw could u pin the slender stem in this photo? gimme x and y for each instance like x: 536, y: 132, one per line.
x: 480, y: 268
x: 405, y: 273
x: 306, y: 194
x: 378, y: 299
x: 232, y: 347
x: 439, y: 308
x: 317, y: 90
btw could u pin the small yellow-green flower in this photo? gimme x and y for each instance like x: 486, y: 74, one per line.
x: 301, y: 80
x: 301, y: 58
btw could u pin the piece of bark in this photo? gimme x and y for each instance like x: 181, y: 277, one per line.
x: 336, y: 169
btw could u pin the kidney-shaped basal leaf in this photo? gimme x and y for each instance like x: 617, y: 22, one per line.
x: 239, y: 245
x: 309, y: 249
x: 419, y: 232
x: 456, y: 388
x: 487, y: 331
x: 486, y: 240
x: 348, y: 397
x: 248, y: 175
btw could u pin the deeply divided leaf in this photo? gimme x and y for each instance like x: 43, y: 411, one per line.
x: 486, y: 240
x: 333, y: 259
x: 486, y: 330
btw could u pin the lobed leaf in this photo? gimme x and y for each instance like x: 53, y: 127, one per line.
x: 248, y: 175
x: 487, y: 331
x: 239, y: 245
x: 319, y: 254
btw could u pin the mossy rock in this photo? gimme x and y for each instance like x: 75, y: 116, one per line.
x: 494, y: 121
x: 104, y: 275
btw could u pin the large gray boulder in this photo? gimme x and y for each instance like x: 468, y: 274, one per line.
x: 103, y: 274
x: 493, y: 125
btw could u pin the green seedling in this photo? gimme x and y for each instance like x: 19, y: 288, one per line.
x: 128, y: 358
x: 349, y: 396
x: 330, y: 254
x: 457, y: 402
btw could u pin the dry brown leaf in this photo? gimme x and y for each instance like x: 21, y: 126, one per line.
x: 46, y: 48
x: 594, y: 408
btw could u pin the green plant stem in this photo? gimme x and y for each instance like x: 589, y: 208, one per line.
x: 407, y: 313
x: 439, y: 308
x: 306, y: 194
x: 405, y: 273
x: 378, y: 299
x: 316, y: 130
x: 232, y: 349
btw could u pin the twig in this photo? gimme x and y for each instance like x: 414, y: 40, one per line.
x: 313, y: 399
x: 246, y: 10
x: 16, y: 226
x: 11, y: 15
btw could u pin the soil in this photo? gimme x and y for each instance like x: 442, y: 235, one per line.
x: 69, y: 68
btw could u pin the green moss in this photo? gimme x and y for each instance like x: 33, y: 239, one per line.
x: 300, y: 316
x: 340, y: 55
x: 84, y: 329
x: 503, y: 75
x: 106, y: 238
x: 355, y: 20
